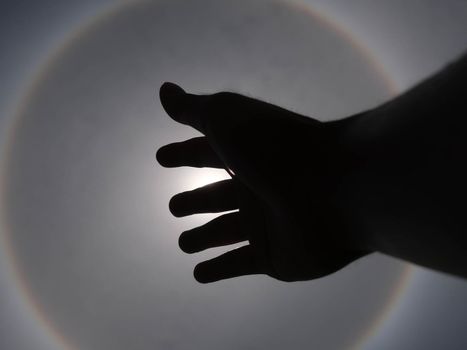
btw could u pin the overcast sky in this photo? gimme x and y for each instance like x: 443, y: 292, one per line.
x: 86, y: 204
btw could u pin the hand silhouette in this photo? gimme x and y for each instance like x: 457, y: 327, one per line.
x: 286, y: 173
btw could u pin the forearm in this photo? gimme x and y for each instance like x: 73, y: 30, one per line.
x: 408, y: 187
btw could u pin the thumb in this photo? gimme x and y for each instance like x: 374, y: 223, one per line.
x: 183, y: 107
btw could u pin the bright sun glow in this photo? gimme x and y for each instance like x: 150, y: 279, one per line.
x: 195, y: 178
x: 202, y: 177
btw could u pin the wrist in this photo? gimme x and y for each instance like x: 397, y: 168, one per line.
x: 355, y: 188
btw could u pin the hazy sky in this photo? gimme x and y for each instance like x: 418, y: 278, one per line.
x: 86, y: 203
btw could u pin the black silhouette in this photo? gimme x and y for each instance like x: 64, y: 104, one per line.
x: 314, y: 196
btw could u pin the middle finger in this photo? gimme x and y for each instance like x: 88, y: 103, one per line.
x: 213, y: 198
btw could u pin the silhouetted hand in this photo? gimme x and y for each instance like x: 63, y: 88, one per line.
x: 287, y: 172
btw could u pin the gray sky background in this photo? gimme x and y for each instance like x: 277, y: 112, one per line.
x: 101, y: 255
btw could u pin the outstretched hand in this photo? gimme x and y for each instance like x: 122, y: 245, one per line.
x: 287, y: 172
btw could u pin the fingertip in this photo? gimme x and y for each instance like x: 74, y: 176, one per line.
x: 174, y: 206
x: 161, y: 156
x: 181, y: 242
x: 169, y: 95
x: 169, y: 87
x: 200, y: 274
x: 184, y: 243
